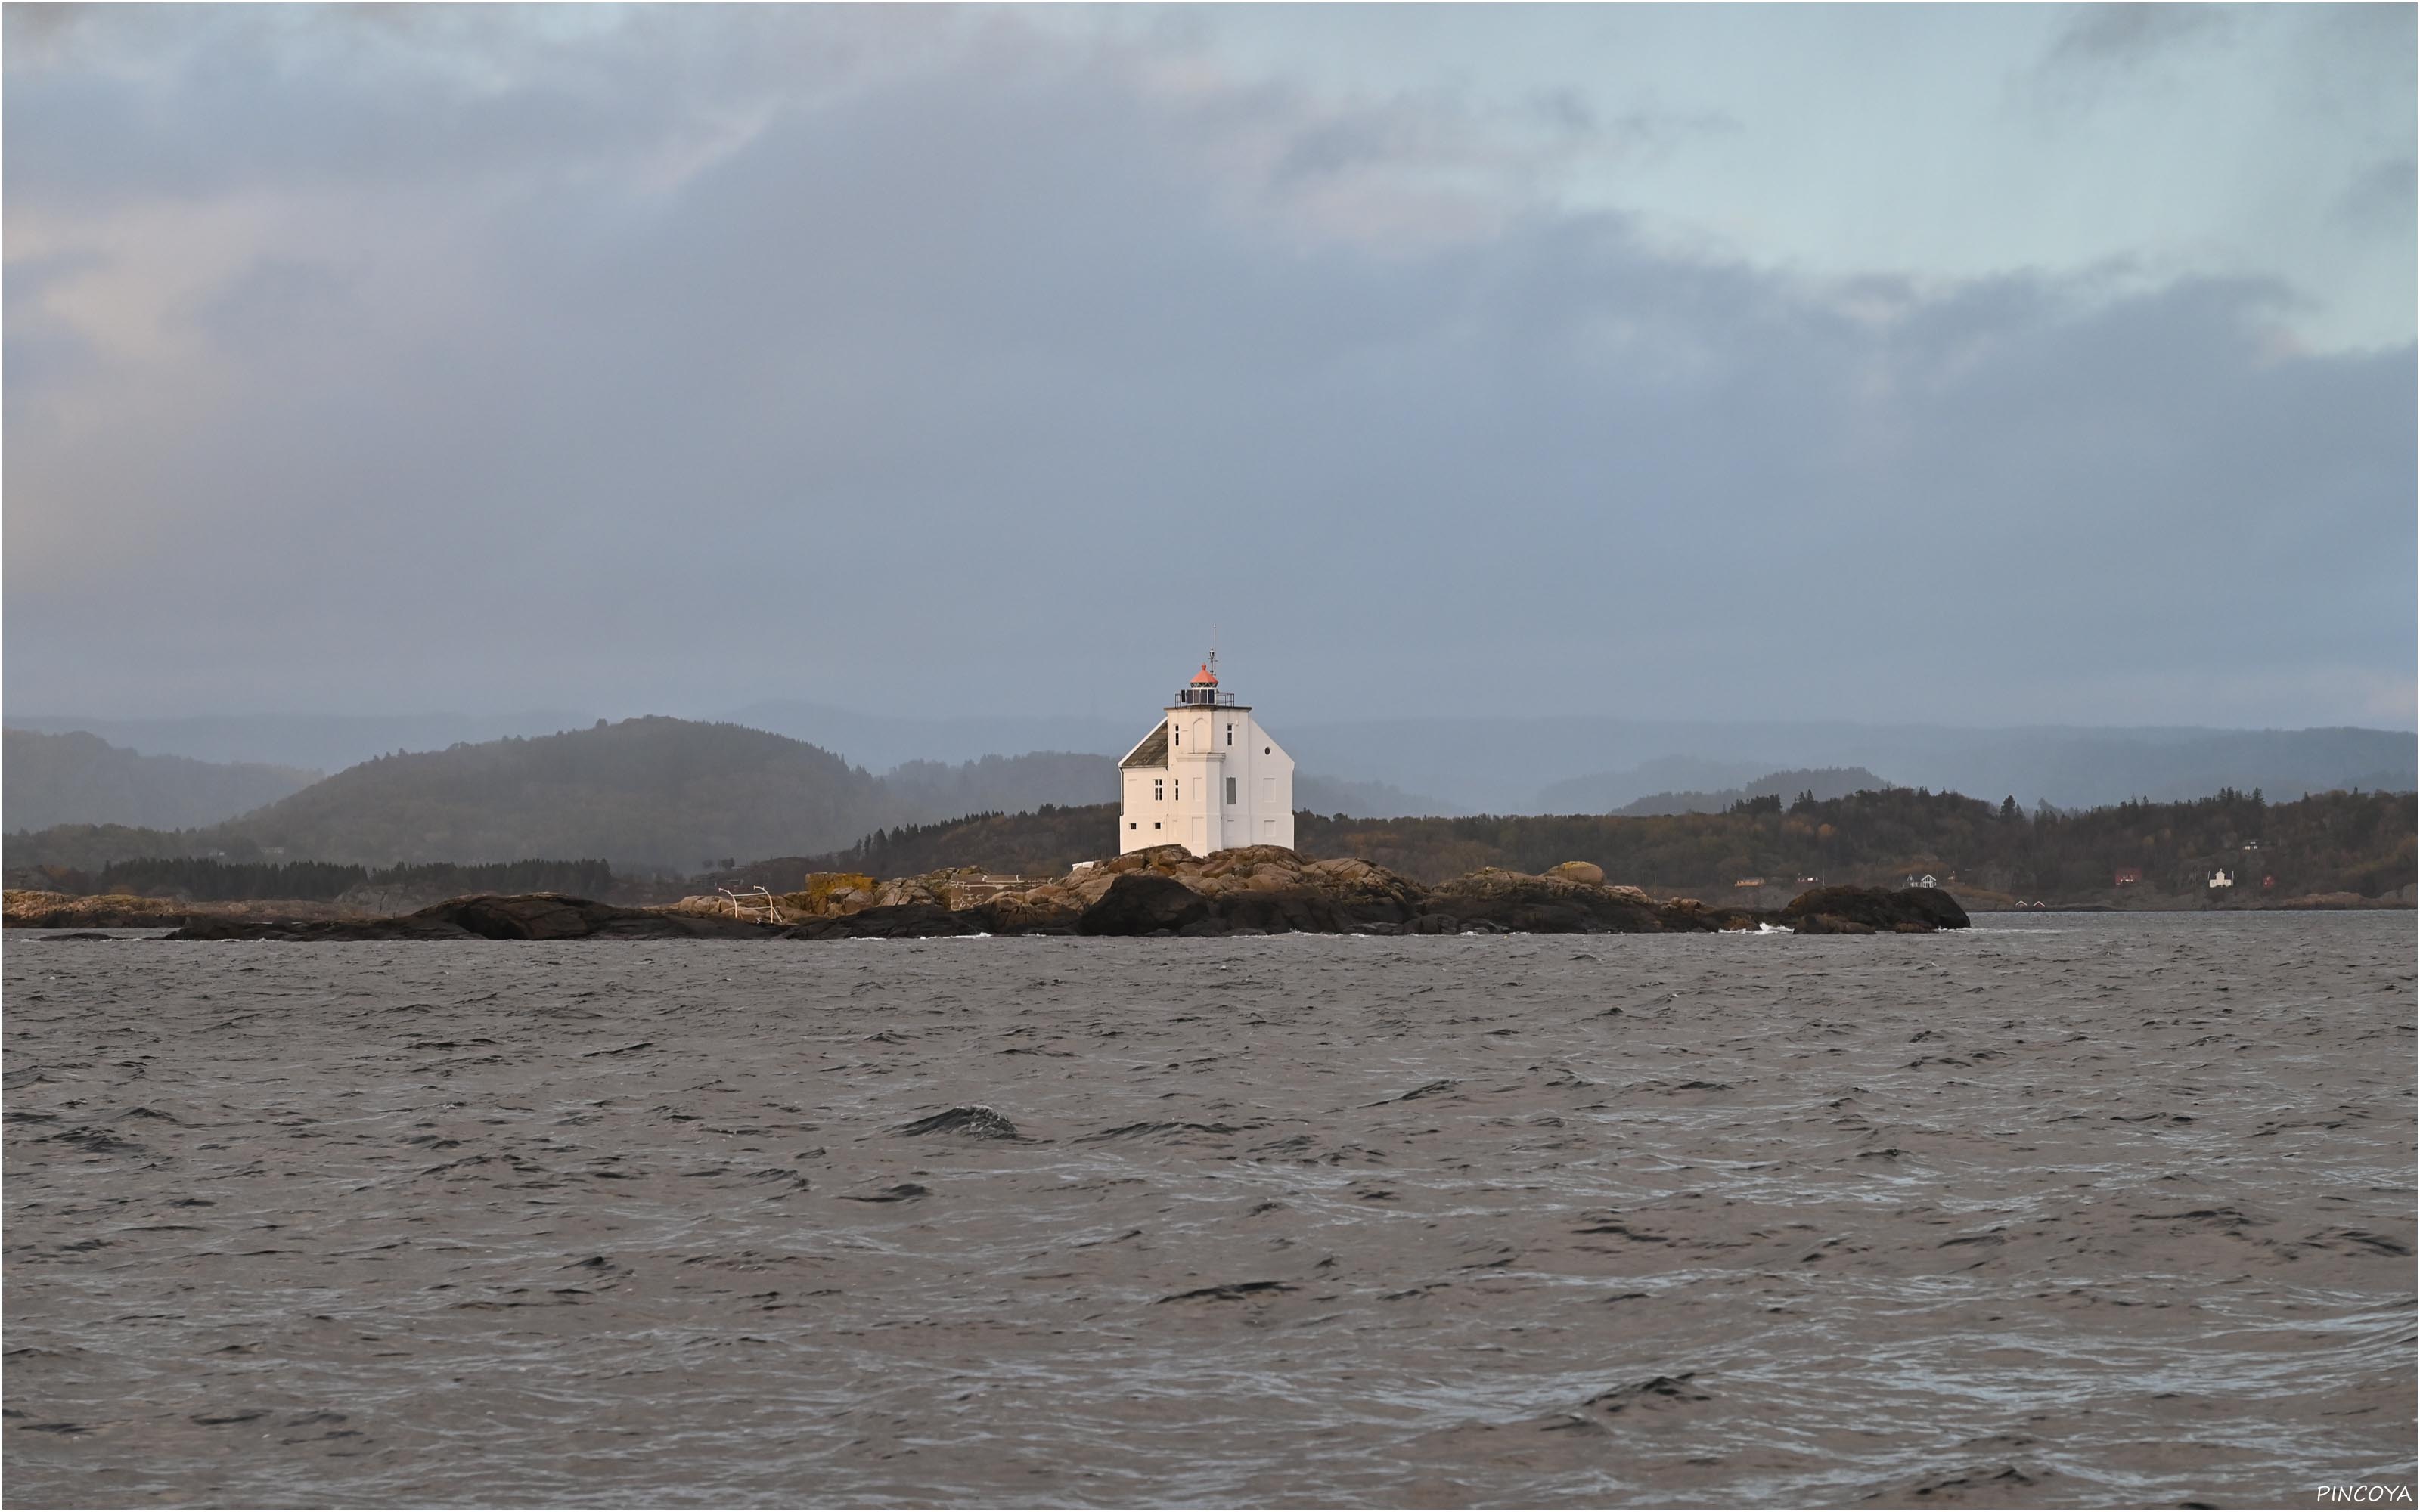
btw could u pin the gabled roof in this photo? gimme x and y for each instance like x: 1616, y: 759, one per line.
x: 1151, y: 750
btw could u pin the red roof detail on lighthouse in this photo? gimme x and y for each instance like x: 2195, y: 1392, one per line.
x: 1204, y: 678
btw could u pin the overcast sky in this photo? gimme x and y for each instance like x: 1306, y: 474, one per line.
x: 1981, y: 366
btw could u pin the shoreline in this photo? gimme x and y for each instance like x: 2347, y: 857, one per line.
x: 28, y: 910
x: 1161, y: 892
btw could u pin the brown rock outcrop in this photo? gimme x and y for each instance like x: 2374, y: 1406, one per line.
x: 58, y: 910
x: 540, y: 915
x: 1492, y: 901
x: 1144, y: 902
x: 1910, y: 910
x: 891, y: 922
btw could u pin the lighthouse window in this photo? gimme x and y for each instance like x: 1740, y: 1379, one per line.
x: 1231, y: 790
x: 1174, y: 733
x: 1264, y: 750
x: 1230, y: 734
x: 1157, y: 795
x: 1180, y: 788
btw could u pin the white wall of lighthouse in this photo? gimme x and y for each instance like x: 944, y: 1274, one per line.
x: 1208, y: 777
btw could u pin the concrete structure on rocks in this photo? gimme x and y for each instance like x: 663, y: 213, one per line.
x: 1207, y: 778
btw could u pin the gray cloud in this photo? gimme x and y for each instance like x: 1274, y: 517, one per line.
x: 2121, y: 36
x: 2381, y: 199
x: 971, y: 365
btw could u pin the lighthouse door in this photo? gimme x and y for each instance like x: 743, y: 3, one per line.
x: 1200, y: 836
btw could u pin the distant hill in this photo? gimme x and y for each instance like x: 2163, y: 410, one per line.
x: 80, y: 778
x: 1449, y: 765
x: 326, y: 741
x: 879, y: 742
x: 662, y: 795
x: 1362, y: 800
x: 1607, y: 792
x: 1592, y: 764
x: 1020, y: 784
x: 1005, y: 785
x: 647, y: 793
x: 1825, y: 782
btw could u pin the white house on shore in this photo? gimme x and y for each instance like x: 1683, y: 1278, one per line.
x: 1207, y: 778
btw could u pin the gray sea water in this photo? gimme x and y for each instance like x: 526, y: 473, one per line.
x: 2062, y: 1211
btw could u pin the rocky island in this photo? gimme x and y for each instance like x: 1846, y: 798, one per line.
x: 1165, y: 891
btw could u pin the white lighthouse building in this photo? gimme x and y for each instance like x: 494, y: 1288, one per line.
x: 1207, y: 778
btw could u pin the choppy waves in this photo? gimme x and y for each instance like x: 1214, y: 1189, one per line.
x: 2116, y: 1211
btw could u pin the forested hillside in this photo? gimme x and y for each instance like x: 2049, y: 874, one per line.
x: 2327, y: 843
x: 643, y: 793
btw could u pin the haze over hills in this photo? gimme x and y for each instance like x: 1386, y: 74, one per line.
x: 1824, y: 783
x: 79, y: 779
x: 880, y: 741
x: 1588, y: 764
x: 1510, y: 765
x: 657, y: 796
x: 1605, y: 792
x: 321, y: 742
x: 1564, y: 765
x: 649, y: 792
x: 645, y: 793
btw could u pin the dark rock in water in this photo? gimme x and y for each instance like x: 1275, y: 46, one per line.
x: 1491, y: 901
x: 904, y: 1191
x: 895, y: 921
x: 1660, y: 1390
x: 80, y: 934
x: 538, y: 916
x: 1294, y: 909
x: 1144, y: 902
x: 1934, y: 906
x: 1910, y: 910
x: 1232, y: 1291
x: 976, y: 1122
x: 1829, y: 924
x: 546, y: 916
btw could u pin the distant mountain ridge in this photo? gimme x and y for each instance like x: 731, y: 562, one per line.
x: 321, y: 742
x: 1826, y: 783
x: 80, y: 778
x: 650, y: 793
x: 1608, y: 792
x: 1575, y: 764
x: 1545, y: 765
x: 647, y: 793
